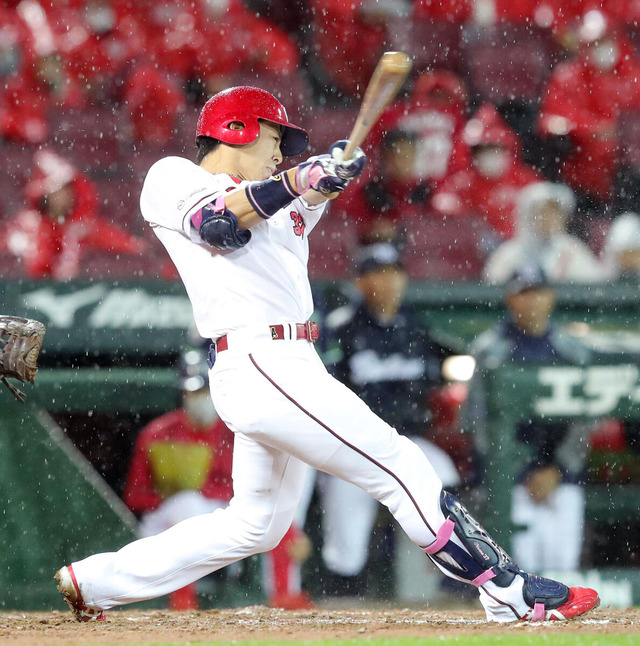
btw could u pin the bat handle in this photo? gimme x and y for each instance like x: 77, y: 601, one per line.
x: 350, y: 148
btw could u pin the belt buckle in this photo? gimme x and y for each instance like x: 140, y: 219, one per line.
x: 313, y: 331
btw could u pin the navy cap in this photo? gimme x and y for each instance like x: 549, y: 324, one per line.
x: 526, y: 276
x: 374, y: 256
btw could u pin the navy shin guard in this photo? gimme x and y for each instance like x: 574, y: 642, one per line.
x: 480, y: 559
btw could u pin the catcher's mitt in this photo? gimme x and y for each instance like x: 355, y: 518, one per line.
x: 20, y: 344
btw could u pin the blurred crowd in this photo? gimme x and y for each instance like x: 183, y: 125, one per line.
x: 518, y: 130
x: 516, y: 137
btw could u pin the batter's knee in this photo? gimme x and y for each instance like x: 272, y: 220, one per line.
x: 266, y: 539
x: 272, y: 539
x: 263, y: 533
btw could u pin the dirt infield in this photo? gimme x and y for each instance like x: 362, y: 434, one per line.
x: 258, y: 623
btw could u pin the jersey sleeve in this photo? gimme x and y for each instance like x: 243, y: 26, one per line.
x: 175, y: 188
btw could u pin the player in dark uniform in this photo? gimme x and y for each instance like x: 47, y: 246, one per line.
x: 385, y: 355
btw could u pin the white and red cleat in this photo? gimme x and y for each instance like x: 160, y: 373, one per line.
x: 69, y: 589
x: 580, y: 601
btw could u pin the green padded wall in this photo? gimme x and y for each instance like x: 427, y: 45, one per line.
x: 55, y: 507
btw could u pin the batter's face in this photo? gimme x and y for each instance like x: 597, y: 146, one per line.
x: 259, y: 160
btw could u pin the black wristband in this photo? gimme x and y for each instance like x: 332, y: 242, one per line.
x: 268, y: 197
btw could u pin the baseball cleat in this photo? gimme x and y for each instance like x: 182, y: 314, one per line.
x: 69, y: 589
x: 579, y: 601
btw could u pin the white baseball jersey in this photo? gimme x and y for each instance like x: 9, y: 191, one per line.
x: 263, y: 283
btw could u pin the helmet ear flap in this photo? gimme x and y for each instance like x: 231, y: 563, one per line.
x: 246, y: 134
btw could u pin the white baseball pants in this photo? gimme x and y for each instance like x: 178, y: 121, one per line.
x: 285, y: 410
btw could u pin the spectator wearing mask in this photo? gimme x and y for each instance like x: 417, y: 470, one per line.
x: 60, y: 221
x: 547, y: 498
x: 436, y: 113
x: 621, y: 253
x: 544, y: 210
x: 487, y: 192
x: 581, y: 106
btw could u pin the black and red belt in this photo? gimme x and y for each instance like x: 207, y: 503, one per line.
x: 308, y: 331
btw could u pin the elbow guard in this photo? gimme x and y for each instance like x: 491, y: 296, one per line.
x: 218, y: 227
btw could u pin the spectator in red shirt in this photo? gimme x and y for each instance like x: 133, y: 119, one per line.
x: 348, y: 39
x: 33, y: 78
x: 173, y: 34
x: 557, y: 14
x: 583, y: 102
x: 383, y: 206
x: 182, y: 467
x: 27, y: 96
x: 417, y: 144
x: 436, y: 113
x: 238, y: 42
x: 153, y: 101
x: 99, y: 39
x: 14, y: 37
x: 60, y: 221
x: 487, y: 191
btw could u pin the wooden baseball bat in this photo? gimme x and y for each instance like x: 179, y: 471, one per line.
x: 390, y: 73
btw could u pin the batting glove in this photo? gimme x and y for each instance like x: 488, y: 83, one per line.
x: 350, y: 168
x: 320, y: 174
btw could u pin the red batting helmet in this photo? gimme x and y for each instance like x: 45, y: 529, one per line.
x: 248, y: 104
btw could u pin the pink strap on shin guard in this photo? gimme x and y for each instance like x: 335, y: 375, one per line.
x: 539, y: 612
x: 483, y: 578
x: 442, y: 537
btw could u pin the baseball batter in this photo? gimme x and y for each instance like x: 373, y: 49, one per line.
x: 238, y: 234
